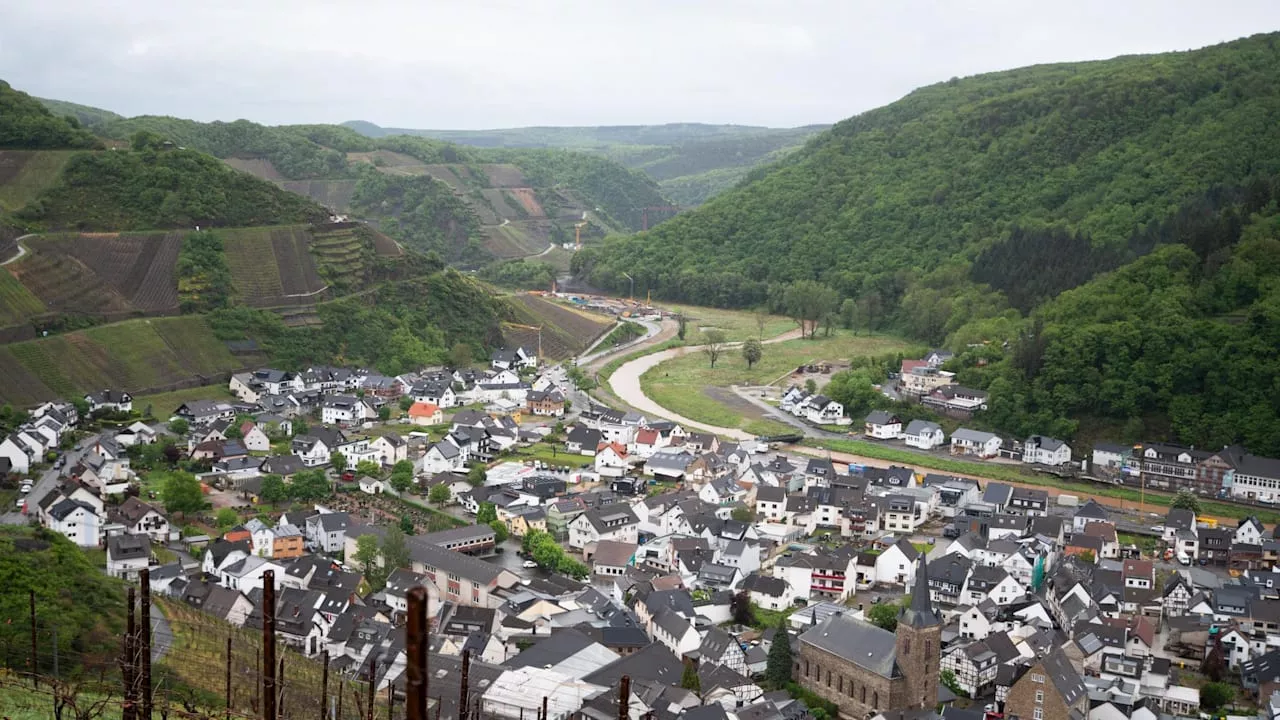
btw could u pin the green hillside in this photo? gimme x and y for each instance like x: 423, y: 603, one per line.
x: 84, y: 114
x: 25, y: 124
x: 690, y: 161
x: 955, y: 213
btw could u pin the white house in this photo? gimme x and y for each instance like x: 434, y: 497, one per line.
x: 77, y: 520
x: 317, y: 445
x: 391, y: 448
x: 882, y: 425
x: 610, y: 522
x: 253, y: 438
x: 1043, y: 450
x: 973, y: 624
x: 138, y: 433
x: 923, y: 434
x: 975, y: 442
x: 612, y: 460
x: 897, y: 564
x: 127, y: 554
x: 371, y: 486
x: 822, y: 410
x: 19, y: 453
x: 115, y: 400
x: 343, y: 410
x: 520, y: 357
x: 142, y: 519
x: 443, y: 456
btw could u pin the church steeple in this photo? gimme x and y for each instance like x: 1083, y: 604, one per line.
x: 920, y: 613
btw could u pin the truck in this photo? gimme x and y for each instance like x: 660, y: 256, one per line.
x: 1065, y: 500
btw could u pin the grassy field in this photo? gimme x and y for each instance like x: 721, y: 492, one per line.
x: 39, y: 172
x: 17, y: 304
x: 1019, y: 474
x: 163, y: 404
x: 552, y: 456
x: 737, y: 324
x: 688, y: 385
x: 197, y: 347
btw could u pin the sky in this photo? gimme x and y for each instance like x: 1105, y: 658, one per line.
x: 478, y: 64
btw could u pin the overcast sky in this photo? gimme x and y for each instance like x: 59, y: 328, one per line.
x: 504, y: 63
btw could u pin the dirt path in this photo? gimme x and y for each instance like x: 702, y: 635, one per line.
x: 22, y: 249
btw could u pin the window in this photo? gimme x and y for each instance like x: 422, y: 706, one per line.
x: 1037, y: 678
x: 1039, y: 697
x: 864, y: 693
x: 875, y: 700
x: 1038, y: 714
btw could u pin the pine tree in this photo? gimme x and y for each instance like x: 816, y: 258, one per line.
x: 778, y: 665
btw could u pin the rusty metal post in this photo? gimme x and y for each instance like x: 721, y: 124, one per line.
x: 144, y: 637
x: 129, y: 712
x: 416, y: 650
x: 464, y: 704
x: 373, y: 679
x: 324, y: 683
x: 342, y: 690
x: 391, y: 694
x: 35, y: 656
x: 228, y: 677
x: 624, y: 697
x: 544, y: 707
x: 269, y: 645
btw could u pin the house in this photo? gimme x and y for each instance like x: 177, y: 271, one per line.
x: 976, y: 443
x: 956, y: 401
x: 610, y: 522
x: 138, y: 433
x: 444, y: 456
x: 438, y: 393
x: 517, y: 358
x: 343, y: 410
x: 371, y: 486
x: 142, y: 519
x: 77, y: 520
x: 897, y: 564
x: 1048, y: 689
x: 882, y: 425
x: 582, y: 440
x: 720, y: 648
x: 253, y: 438
x: 1028, y: 501
x: 315, y: 447
x: 923, y: 434
x: 822, y: 410
x: 127, y: 554
x: 611, y: 557
x: 390, y: 448
x: 425, y: 413
x: 545, y: 403
x: 203, y: 412
x: 1090, y: 512
x: 109, y: 400
x: 612, y: 460
x: 326, y: 532
x: 1044, y: 450
x: 20, y: 454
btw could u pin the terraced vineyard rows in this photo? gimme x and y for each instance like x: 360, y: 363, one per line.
x: 341, y: 250
x: 333, y: 194
x: 17, y: 304
x: 565, y: 331
x: 141, y: 267
x: 133, y: 355
x: 298, y: 275
x: 254, y: 272
x: 63, y: 283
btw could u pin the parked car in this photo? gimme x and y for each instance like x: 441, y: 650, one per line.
x: 348, y: 476
x: 529, y: 564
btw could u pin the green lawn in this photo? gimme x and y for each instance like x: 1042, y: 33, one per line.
x: 552, y: 454
x: 681, y: 384
x: 737, y: 324
x: 163, y: 404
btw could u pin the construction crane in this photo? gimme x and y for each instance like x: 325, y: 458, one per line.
x: 531, y: 327
x: 577, y: 234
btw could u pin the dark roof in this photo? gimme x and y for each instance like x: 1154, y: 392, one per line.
x: 554, y: 649
x: 127, y: 546
x: 997, y: 493
x: 654, y: 663
x: 920, y: 613
x: 1064, y: 676
x: 865, y: 645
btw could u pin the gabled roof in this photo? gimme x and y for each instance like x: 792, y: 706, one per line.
x: 861, y: 643
x: 127, y: 546
x: 917, y: 427
x: 881, y: 417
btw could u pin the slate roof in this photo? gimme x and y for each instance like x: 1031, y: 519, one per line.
x: 127, y: 546
x: 861, y: 643
x: 881, y: 417
x: 917, y: 427
x: 654, y: 663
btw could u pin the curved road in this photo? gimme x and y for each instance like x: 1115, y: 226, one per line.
x: 625, y: 383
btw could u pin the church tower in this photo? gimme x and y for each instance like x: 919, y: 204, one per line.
x: 919, y: 645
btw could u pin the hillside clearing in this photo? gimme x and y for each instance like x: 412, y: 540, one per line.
x: 17, y: 304
x: 565, y: 331
x: 24, y: 174
x: 737, y: 325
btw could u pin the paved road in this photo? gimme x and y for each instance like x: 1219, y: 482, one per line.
x: 161, y: 634
x: 651, y: 330
x: 774, y: 413
x: 48, y: 480
x: 625, y: 383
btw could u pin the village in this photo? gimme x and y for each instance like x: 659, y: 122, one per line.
x: 564, y: 544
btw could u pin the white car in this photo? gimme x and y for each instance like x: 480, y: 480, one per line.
x: 529, y: 564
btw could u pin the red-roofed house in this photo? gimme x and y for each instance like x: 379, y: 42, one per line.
x: 253, y: 438
x: 647, y: 442
x: 1140, y: 634
x: 424, y: 413
x: 612, y: 460
x: 1138, y: 573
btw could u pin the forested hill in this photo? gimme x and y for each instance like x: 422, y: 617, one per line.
x: 27, y: 125
x: 965, y: 213
x: 691, y: 161
x: 1101, y: 149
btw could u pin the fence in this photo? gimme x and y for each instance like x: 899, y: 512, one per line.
x: 184, y: 664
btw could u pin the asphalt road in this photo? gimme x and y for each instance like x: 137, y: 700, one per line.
x: 47, y: 481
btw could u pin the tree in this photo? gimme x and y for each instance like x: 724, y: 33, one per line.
x: 401, y: 482
x: 1214, y: 666
x: 487, y: 514
x: 405, y: 403
x: 178, y: 426
x: 369, y: 467
x: 743, y: 514
x: 950, y: 682
x: 777, y: 671
x: 740, y: 608
x: 761, y: 315
x: 395, y: 553
x: 226, y: 517
x: 811, y: 386
x: 477, y: 475
x: 310, y: 485
x: 884, y: 615
x: 300, y: 426
x: 713, y: 341
x: 172, y: 454
x: 1186, y: 500
x: 1214, y: 695
x: 367, y: 553
x: 682, y: 324
x: 1088, y: 556
x: 460, y: 355
x: 338, y: 461
x: 181, y: 493
x: 439, y: 494
x: 384, y: 413
x: 752, y: 351
x: 500, y: 531
x: 273, y: 489
x: 807, y: 302
x: 848, y: 314
x: 406, y: 525
x: 689, y: 679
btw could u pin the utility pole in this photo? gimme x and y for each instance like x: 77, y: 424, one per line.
x: 228, y: 677
x: 144, y: 646
x: 269, y: 645
x: 129, y: 711
x: 35, y: 656
x: 324, y: 681
x: 373, y: 676
x: 631, y: 295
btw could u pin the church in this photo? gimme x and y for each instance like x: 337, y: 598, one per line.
x: 865, y: 669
